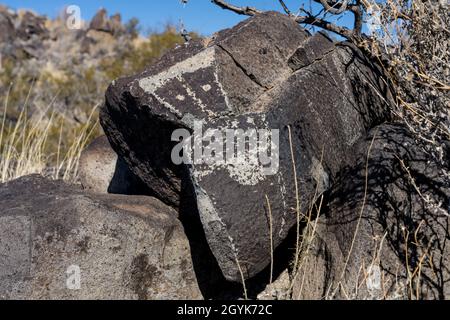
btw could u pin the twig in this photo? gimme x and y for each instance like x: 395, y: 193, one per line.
x: 343, y: 31
x: 271, y: 238
x: 294, y: 168
x: 242, y: 277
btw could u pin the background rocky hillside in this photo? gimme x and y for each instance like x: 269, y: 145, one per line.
x: 55, y: 78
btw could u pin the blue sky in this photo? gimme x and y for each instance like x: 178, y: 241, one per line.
x: 198, y: 15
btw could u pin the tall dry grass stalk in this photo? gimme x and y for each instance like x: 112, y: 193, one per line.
x: 241, y: 272
x: 297, y: 201
x: 304, y: 237
x: 28, y: 145
x: 269, y: 208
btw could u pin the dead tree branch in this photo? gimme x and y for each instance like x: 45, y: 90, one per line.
x: 285, y: 8
x: 345, y: 32
x: 331, y: 6
x: 358, y: 16
x: 248, y: 11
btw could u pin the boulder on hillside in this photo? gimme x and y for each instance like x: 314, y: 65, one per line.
x: 100, y: 38
x: 6, y: 25
x: 102, y: 171
x: 57, y: 242
x: 298, y: 96
x: 101, y: 22
x: 32, y: 26
x: 401, y: 220
x: 23, y: 34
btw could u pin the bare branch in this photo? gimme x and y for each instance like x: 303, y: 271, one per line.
x: 358, y: 14
x: 308, y: 19
x: 248, y: 11
x: 285, y: 8
x: 342, y: 31
x: 355, y: 9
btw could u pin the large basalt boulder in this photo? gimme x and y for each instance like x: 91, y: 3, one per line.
x: 121, y: 247
x: 267, y: 73
x: 385, y: 232
x: 102, y: 171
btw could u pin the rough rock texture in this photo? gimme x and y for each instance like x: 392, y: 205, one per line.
x: 22, y: 33
x: 265, y: 73
x: 125, y: 247
x: 401, y: 249
x: 278, y: 290
x: 25, y: 35
x: 102, y: 171
x: 32, y: 25
x: 6, y: 25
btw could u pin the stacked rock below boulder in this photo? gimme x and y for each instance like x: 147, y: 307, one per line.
x: 385, y: 232
x: 57, y: 242
x: 102, y: 171
x: 315, y: 97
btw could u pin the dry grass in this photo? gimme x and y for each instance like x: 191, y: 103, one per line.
x: 269, y: 208
x: 241, y: 272
x: 304, y: 247
x: 407, y: 284
x: 305, y: 239
x: 297, y: 202
x: 48, y: 144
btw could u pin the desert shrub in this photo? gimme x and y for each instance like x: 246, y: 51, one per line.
x: 142, y: 54
x: 132, y: 27
x: 49, y: 109
x: 412, y: 41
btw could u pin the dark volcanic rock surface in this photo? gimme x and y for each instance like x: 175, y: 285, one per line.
x: 265, y: 73
x: 124, y: 247
x: 401, y: 248
x: 102, y: 171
